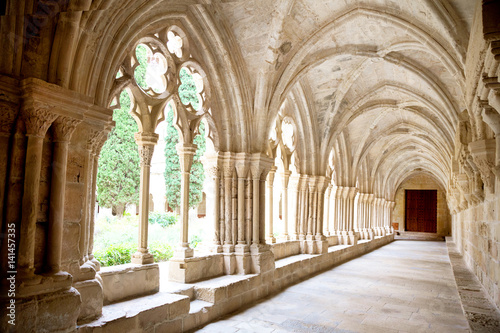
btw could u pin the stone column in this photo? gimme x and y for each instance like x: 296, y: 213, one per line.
x: 146, y: 143
x: 37, y: 121
x: 371, y: 215
x: 8, y: 113
x: 338, y: 211
x: 63, y: 129
x: 311, y: 205
x: 303, y: 207
x: 228, y: 170
x: 186, y: 153
x: 347, y: 213
x: 242, y: 172
x: 391, y: 212
x: 256, y: 172
x: 212, y: 172
x: 270, y: 182
x: 284, y: 202
x: 321, y: 242
x: 327, y: 210
x: 243, y: 264
x: 293, y: 207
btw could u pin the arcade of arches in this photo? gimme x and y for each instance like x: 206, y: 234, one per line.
x: 341, y: 105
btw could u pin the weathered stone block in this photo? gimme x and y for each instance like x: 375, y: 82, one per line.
x: 171, y: 326
x: 92, y: 299
x: 58, y: 311
x: 121, y: 282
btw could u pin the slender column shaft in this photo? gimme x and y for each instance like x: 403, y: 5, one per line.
x: 270, y: 204
x: 186, y: 154
x: 249, y: 207
x: 327, y: 210
x: 29, y: 204
x: 255, y: 215
x: 228, y: 215
x: 56, y: 206
x: 92, y: 216
x: 262, y: 203
x: 284, y: 203
x: 241, y: 210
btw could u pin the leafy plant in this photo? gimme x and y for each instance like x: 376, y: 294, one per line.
x: 115, y: 254
x: 195, y: 239
x: 163, y: 219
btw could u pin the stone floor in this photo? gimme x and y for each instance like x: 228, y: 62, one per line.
x: 406, y: 286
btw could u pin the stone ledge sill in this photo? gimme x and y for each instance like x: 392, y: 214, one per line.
x: 480, y: 311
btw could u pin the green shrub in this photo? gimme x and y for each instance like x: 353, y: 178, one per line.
x: 163, y: 219
x: 115, y: 254
x: 194, y: 241
x: 161, y: 251
x: 119, y: 254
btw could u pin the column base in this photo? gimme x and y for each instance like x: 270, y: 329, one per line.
x: 140, y: 258
x: 43, y: 284
x: 216, y: 248
x: 321, y: 246
x: 183, y: 252
x: 189, y: 270
x: 91, y: 294
x: 51, y: 312
x: 243, y: 259
x: 229, y: 263
x: 262, y: 258
x: 270, y: 240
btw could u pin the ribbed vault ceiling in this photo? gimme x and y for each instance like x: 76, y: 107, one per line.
x: 380, y: 82
x: 375, y: 84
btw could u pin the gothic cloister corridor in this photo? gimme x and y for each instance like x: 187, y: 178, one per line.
x: 314, y: 132
x: 405, y: 286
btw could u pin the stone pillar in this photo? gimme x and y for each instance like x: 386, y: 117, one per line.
x: 63, y: 128
x: 146, y: 143
x: 256, y: 172
x: 262, y: 257
x: 371, y: 215
x: 186, y: 153
x: 269, y: 207
x: 303, y: 207
x: 327, y: 210
x: 37, y: 122
x: 360, y: 221
x: 212, y: 172
x: 8, y: 114
x: 284, y: 202
x: 321, y: 242
x: 347, y: 215
x: 293, y: 207
x: 228, y: 170
x: 338, y: 211
x: 242, y: 249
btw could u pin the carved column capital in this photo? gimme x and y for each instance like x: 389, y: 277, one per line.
x: 37, y: 118
x: 186, y: 153
x: 242, y: 165
x: 483, y: 154
x: 64, y: 127
x: 8, y: 114
x: 146, y: 154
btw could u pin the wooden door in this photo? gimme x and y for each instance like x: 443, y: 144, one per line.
x: 421, y: 210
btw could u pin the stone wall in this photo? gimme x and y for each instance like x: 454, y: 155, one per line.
x: 476, y: 232
x: 423, y: 182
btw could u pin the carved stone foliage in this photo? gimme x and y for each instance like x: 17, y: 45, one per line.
x: 64, y: 128
x: 146, y: 154
x: 37, y: 118
x: 483, y: 154
x: 8, y: 114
